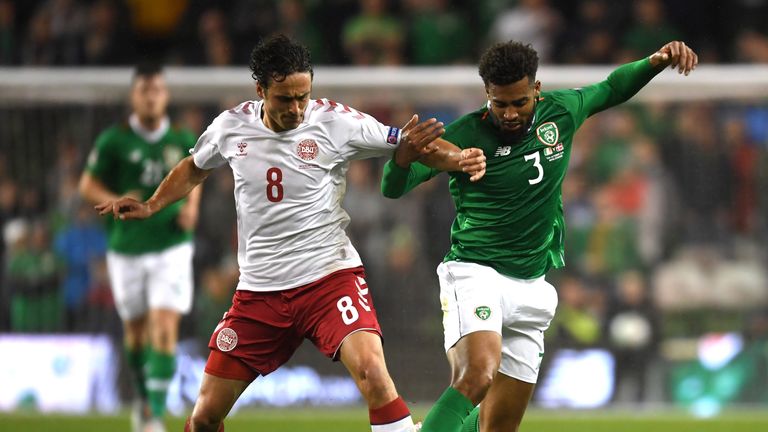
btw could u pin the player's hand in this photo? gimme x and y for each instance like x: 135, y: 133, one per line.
x: 416, y: 140
x: 187, y: 218
x: 473, y: 163
x: 124, y: 208
x: 675, y: 54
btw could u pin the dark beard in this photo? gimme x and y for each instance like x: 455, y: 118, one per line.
x: 514, y: 137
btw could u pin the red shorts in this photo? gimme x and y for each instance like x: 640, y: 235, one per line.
x: 262, y: 330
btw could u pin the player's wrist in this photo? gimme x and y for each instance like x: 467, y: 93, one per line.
x: 397, y: 167
x: 152, y: 206
x: 655, y: 60
x: 401, y: 160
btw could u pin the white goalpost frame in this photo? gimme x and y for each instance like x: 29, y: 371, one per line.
x: 430, y: 85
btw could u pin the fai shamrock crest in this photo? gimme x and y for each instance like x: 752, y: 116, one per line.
x: 548, y: 133
x: 483, y: 312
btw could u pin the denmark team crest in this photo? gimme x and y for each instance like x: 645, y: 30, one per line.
x: 226, y: 340
x: 307, y: 149
x: 548, y: 133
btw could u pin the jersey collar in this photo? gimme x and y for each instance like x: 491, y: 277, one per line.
x: 150, y: 136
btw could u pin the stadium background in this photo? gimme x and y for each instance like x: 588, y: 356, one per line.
x: 666, y: 199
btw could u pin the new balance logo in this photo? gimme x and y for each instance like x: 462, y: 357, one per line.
x: 503, y: 151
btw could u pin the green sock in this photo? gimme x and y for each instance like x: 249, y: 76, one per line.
x: 472, y: 423
x: 160, y: 370
x: 137, y: 358
x: 448, y: 413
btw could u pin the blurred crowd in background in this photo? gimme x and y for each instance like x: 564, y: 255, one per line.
x: 374, y: 32
x: 666, y: 203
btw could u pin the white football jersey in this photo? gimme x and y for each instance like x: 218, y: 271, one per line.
x: 289, y: 187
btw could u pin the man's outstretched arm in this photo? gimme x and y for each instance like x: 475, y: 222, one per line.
x: 628, y: 79
x: 184, y: 177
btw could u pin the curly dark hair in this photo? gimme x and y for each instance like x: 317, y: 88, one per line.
x: 508, y: 62
x: 277, y: 57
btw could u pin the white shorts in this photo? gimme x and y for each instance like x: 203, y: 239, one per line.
x: 157, y: 280
x: 475, y: 297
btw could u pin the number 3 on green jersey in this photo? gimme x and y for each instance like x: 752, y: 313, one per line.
x: 536, y: 163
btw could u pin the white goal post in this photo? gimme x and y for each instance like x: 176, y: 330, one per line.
x: 27, y: 85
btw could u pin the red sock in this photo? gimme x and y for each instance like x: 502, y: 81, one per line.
x: 389, y: 413
x: 188, y: 427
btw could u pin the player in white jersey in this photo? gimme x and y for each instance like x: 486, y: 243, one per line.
x: 300, y: 277
x: 301, y: 174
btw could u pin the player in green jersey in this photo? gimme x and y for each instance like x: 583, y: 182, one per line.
x: 149, y: 261
x: 509, y: 228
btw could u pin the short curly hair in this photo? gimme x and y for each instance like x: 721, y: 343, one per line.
x: 277, y: 57
x: 508, y: 62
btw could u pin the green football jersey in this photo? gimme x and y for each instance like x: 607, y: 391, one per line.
x: 126, y: 163
x: 512, y: 219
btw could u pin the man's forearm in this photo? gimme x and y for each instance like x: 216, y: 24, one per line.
x: 394, y: 181
x: 398, y: 181
x: 182, y: 179
x: 446, y: 158
x: 629, y: 78
x: 621, y: 84
x: 193, y: 199
x: 93, y: 190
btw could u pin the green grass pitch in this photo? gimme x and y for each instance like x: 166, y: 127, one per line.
x: 355, y: 420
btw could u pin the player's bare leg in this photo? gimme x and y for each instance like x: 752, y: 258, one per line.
x: 164, y: 329
x: 217, y: 396
x: 362, y: 354
x: 504, y: 405
x: 135, y: 332
x: 162, y: 333
x: 135, y: 343
x: 474, y: 361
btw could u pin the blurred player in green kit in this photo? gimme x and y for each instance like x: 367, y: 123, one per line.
x: 149, y: 261
x: 509, y: 229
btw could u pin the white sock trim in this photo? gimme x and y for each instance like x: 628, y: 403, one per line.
x: 403, y: 425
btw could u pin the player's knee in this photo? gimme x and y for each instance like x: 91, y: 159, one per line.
x: 165, y: 342
x: 134, y: 334
x: 205, y: 419
x: 373, y: 378
x: 164, y: 339
x: 207, y: 414
x: 189, y: 425
x: 371, y: 373
x: 474, y: 389
x: 474, y: 382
